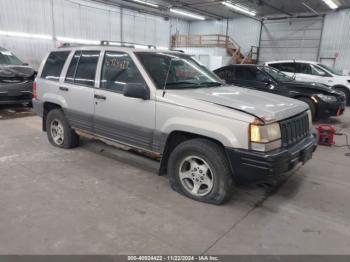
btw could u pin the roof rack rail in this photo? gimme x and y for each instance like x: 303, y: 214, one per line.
x: 110, y: 43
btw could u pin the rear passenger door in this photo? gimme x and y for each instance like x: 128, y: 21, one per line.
x: 77, y: 88
x: 124, y: 119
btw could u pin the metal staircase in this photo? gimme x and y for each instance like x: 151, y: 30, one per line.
x: 217, y: 40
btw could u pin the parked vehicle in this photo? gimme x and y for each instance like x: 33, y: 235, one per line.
x: 322, y: 100
x: 208, y: 135
x: 314, y: 72
x: 16, y: 79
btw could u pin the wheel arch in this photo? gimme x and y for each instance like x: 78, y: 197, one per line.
x: 48, y: 106
x: 343, y: 89
x: 175, y: 138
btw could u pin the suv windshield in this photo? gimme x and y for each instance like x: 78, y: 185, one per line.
x: 176, y: 71
x: 329, y: 69
x: 276, y: 74
x: 7, y: 58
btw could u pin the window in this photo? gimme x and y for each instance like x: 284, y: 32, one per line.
x: 250, y: 74
x: 176, y: 71
x: 285, y: 67
x: 54, y: 64
x: 7, y: 58
x: 118, y: 70
x: 86, y: 68
x: 73, y: 67
x: 228, y: 74
x: 303, y: 68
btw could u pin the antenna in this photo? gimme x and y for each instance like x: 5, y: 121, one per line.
x: 167, y: 76
x: 295, y: 69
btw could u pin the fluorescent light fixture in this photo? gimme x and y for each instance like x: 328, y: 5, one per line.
x: 25, y: 35
x: 186, y: 13
x: 146, y: 3
x: 141, y: 46
x: 331, y: 4
x: 240, y: 8
x: 77, y: 40
x: 162, y: 48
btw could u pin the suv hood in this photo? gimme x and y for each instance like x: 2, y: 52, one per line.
x: 268, y: 107
x: 9, y: 71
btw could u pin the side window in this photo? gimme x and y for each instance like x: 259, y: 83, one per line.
x: 316, y: 70
x: 250, y: 74
x: 286, y: 67
x: 119, y: 69
x: 73, y: 67
x: 303, y: 68
x: 54, y: 64
x: 86, y: 68
x: 228, y: 74
x: 277, y: 66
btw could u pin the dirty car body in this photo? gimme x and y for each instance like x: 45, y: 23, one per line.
x: 16, y: 79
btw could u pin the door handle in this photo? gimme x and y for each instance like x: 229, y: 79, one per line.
x: 100, y: 97
x: 64, y: 88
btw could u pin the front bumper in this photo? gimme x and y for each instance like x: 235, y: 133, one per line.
x: 16, y: 93
x: 249, y: 166
x: 325, y: 110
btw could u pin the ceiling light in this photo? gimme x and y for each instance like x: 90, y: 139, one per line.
x: 240, y: 8
x: 77, y: 40
x: 186, y: 13
x: 331, y: 4
x: 25, y: 35
x: 146, y: 3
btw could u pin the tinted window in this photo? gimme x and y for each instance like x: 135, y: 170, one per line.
x: 73, y: 67
x: 286, y: 67
x: 228, y: 74
x: 302, y: 68
x: 250, y: 74
x: 7, y: 58
x: 86, y: 69
x: 54, y: 64
x: 118, y: 70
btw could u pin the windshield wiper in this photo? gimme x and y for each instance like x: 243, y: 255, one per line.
x: 210, y: 84
x: 181, y: 83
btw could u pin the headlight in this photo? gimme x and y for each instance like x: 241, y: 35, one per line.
x: 265, y: 137
x: 326, y: 98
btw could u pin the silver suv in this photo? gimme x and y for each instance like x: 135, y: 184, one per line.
x: 208, y: 135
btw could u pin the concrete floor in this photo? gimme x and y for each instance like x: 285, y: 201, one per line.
x: 98, y: 200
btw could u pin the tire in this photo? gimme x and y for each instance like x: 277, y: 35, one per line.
x: 311, y: 106
x: 187, y: 164
x: 59, y: 133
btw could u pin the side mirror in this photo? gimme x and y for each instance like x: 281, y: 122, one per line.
x: 322, y: 73
x: 137, y: 90
x: 25, y: 64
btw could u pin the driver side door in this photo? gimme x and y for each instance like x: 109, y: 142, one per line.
x: 127, y: 120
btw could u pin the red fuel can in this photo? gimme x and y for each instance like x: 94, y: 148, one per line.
x: 326, y: 135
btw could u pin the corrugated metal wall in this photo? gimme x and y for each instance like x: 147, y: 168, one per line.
x: 335, y: 43
x: 290, y: 39
x: 79, y: 19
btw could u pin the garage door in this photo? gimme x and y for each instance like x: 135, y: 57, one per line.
x: 297, y: 38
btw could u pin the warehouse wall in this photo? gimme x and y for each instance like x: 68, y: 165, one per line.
x: 335, y: 43
x: 78, y: 19
x: 245, y: 31
x: 297, y: 38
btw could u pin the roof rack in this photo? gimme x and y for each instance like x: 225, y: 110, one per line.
x: 112, y: 43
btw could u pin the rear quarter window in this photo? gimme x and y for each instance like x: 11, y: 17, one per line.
x: 54, y: 64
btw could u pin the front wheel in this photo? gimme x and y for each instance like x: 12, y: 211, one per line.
x: 199, y: 169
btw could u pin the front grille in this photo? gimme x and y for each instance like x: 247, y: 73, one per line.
x: 294, y: 129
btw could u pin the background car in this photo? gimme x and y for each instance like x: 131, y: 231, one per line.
x: 16, y: 79
x: 314, y: 72
x: 322, y: 100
